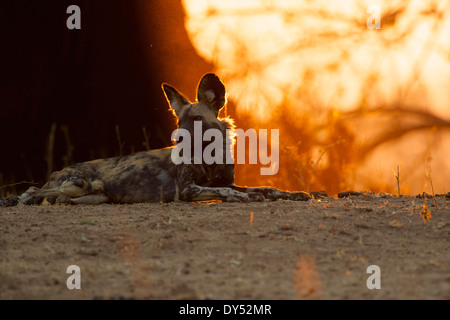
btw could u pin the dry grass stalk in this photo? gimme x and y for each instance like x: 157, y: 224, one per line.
x: 146, y: 137
x: 119, y: 141
x: 50, y: 149
x: 397, y: 177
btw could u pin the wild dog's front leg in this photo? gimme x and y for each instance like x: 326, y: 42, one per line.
x: 275, y: 194
x: 193, y: 183
x: 194, y: 192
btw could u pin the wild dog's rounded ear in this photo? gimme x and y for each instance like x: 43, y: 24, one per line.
x: 175, y: 99
x: 211, y: 91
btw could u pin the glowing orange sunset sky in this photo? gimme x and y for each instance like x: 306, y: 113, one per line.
x: 313, y: 57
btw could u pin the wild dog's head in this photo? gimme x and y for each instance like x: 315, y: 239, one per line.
x: 211, y: 98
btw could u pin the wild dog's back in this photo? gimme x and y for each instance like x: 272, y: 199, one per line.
x: 140, y: 177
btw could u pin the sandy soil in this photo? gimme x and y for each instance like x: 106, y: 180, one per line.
x: 319, y: 249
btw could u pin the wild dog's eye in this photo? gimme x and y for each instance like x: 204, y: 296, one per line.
x: 198, y: 118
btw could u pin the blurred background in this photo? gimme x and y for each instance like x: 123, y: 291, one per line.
x: 355, y: 106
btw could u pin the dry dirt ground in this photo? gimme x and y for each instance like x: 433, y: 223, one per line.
x: 319, y: 249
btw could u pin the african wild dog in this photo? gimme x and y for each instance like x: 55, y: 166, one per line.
x: 152, y: 176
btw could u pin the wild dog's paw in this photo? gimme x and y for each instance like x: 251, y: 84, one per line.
x: 299, y: 196
x: 63, y: 200
x: 256, y: 197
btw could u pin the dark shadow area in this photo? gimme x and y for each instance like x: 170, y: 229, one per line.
x: 68, y: 95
